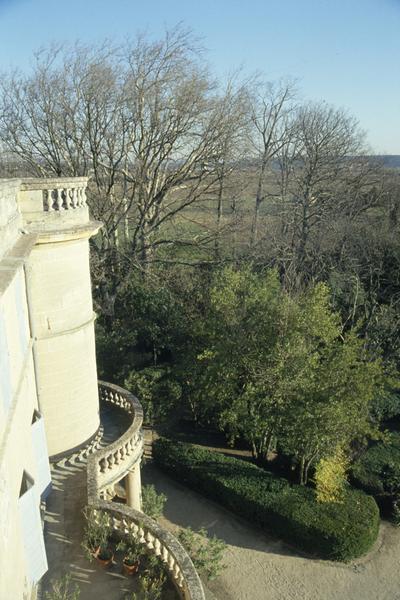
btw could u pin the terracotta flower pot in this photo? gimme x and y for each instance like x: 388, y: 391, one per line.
x: 105, y: 559
x: 130, y: 569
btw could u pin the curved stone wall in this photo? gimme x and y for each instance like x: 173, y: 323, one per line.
x: 110, y: 464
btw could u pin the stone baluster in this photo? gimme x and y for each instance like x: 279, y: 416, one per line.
x: 180, y: 580
x: 142, y: 539
x: 164, y: 553
x: 157, y: 547
x: 125, y: 526
x: 170, y: 562
x: 58, y: 200
x: 50, y: 200
x: 149, y: 540
x: 176, y: 570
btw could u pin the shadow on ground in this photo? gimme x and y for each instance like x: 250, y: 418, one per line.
x: 186, y: 508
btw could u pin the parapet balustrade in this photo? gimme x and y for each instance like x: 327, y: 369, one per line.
x: 108, y: 465
x: 115, y: 460
x: 53, y: 202
x: 64, y: 198
x: 58, y: 194
x: 158, y: 540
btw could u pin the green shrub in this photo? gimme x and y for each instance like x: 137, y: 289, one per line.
x: 378, y: 469
x: 152, y: 503
x: 157, y: 391
x: 205, y: 552
x: 330, y: 530
x: 63, y: 589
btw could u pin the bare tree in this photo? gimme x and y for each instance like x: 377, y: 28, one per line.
x: 145, y: 120
x: 271, y: 107
x: 324, y: 176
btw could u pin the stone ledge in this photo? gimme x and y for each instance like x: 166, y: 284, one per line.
x: 59, y: 234
x: 14, y: 259
x: 40, y: 183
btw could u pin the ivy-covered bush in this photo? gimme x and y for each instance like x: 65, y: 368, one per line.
x: 338, y: 531
x: 378, y: 470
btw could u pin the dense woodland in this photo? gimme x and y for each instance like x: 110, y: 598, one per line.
x: 247, y: 275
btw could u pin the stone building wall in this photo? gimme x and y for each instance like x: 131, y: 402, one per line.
x: 48, y: 380
x: 18, y: 408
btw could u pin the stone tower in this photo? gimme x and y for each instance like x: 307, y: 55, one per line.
x: 60, y: 309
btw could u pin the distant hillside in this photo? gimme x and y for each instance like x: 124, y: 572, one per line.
x: 391, y: 161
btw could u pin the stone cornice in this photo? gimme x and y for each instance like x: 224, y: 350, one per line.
x: 42, y: 183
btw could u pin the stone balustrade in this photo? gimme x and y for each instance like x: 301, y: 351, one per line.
x: 115, y: 460
x: 158, y: 540
x: 64, y: 198
x: 57, y: 194
x: 108, y: 465
x: 51, y: 203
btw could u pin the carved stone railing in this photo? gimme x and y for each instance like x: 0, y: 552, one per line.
x: 160, y: 541
x: 58, y: 194
x: 107, y: 466
x: 111, y: 463
x: 54, y: 201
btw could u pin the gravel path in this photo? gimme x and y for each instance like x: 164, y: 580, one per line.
x: 262, y: 568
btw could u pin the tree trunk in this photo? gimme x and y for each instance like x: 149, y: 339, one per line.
x: 254, y: 450
x: 219, y: 216
x: 301, y: 473
x: 234, y: 237
x: 259, y: 199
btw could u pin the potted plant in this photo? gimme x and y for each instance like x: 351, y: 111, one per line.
x: 97, y: 535
x: 152, y: 586
x: 153, y: 579
x: 132, y: 550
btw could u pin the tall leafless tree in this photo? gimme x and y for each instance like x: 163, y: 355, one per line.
x: 324, y: 176
x: 145, y: 120
x: 271, y: 107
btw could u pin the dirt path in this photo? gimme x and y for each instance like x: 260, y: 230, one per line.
x: 261, y: 568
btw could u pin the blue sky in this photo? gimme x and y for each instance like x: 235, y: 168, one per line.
x: 346, y: 52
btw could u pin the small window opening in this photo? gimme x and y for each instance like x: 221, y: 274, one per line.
x: 36, y: 416
x: 26, y: 483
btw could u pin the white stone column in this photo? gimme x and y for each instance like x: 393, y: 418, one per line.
x: 133, y: 488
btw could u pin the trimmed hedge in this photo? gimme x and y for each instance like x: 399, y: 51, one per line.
x: 378, y: 470
x: 336, y: 531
